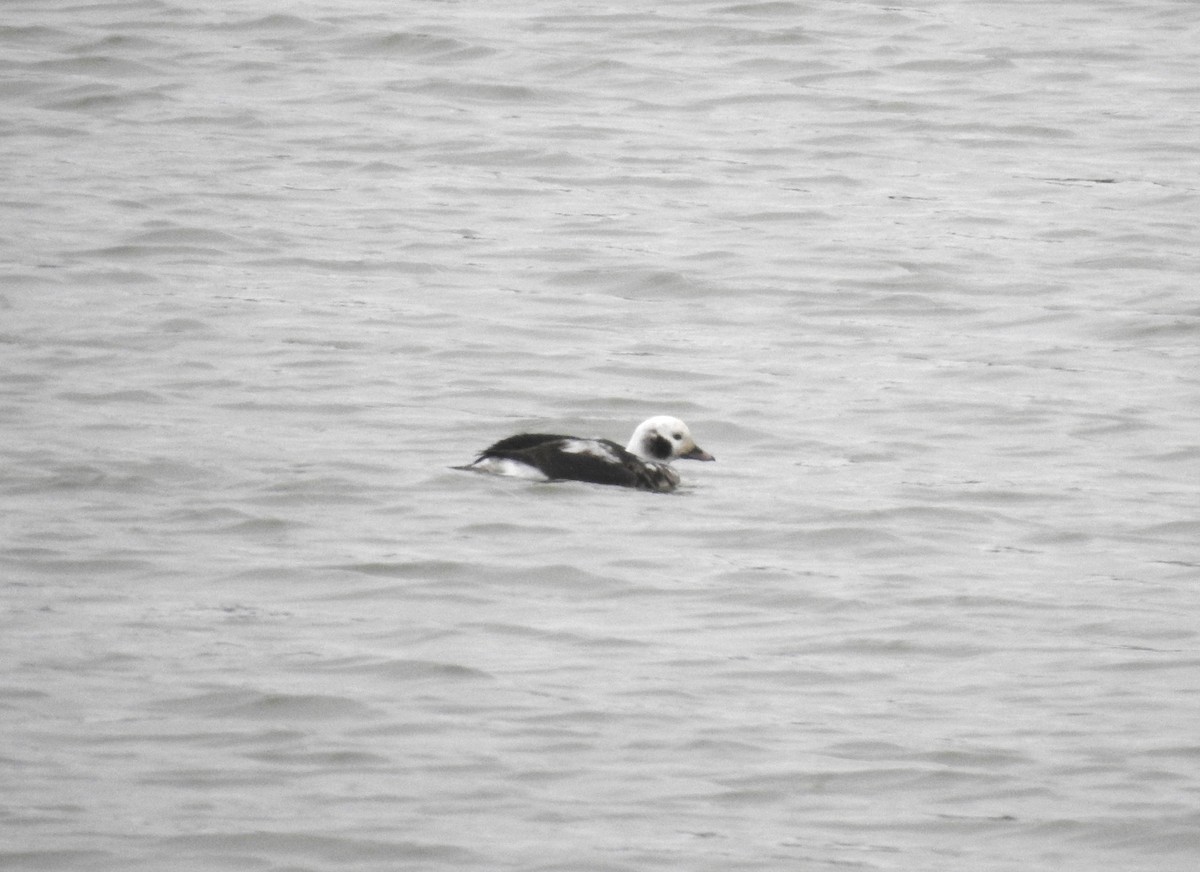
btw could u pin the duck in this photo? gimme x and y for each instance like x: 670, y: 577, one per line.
x: 644, y: 463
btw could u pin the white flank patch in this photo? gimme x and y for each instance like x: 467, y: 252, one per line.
x: 509, y: 467
x: 589, y: 446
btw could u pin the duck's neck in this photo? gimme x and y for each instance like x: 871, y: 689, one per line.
x: 644, y: 447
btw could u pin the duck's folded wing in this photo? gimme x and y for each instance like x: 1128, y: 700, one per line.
x: 598, y: 461
x: 521, y: 442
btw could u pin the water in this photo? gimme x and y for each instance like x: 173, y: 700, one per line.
x: 921, y: 276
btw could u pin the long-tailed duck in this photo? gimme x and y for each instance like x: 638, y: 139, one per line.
x: 644, y: 463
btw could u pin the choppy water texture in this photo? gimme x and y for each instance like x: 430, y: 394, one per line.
x: 921, y: 275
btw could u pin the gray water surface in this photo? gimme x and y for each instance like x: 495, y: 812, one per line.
x: 921, y: 275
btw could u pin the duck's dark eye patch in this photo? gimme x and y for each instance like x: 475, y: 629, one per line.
x: 660, y: 447
x: 678, y: 435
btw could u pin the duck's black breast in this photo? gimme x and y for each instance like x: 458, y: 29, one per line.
x: 598, y: 461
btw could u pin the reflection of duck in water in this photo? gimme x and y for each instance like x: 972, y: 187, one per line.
x: 644, y: 463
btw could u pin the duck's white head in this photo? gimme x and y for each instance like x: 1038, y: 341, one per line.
x: 664, y: 438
